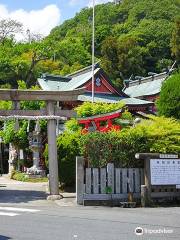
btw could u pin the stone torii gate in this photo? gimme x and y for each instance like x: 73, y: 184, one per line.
x: 52, y: 113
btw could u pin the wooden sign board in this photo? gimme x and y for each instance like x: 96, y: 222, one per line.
x: 165, y: 171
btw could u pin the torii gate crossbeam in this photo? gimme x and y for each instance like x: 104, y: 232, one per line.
x: 51, y: 113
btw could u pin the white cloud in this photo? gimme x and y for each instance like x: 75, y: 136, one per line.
x: 89, y: 2
x: 98, y: 2
x: 38, y: 21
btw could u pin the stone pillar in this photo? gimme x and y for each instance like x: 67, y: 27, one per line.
x: 52, y: 154
x: 12, y: 157
x: 144, y: 196
x: 35, y: 145
x: 147, y: 174
x: 36, y: 159
x: 79, y: 180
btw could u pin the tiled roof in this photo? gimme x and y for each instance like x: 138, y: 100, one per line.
x: 50, y: 84
x: 82, y: 71
x: 79, y: 78
x: 76, y: 81
x: 105, y: 98
x: 147, y: 86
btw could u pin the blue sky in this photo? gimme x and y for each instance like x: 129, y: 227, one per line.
x: 68, y: 7
x: 40, y: 16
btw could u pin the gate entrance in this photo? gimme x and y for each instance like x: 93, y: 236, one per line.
x: 51, y: 113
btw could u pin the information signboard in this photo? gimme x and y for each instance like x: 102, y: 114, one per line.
x: 165, y: 171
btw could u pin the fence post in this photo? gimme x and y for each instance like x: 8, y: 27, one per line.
x: 144, y: 196
x: 79, y: 180
x: 110, y: 173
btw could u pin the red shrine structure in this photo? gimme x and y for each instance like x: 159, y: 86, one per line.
x: 95, y: 123
x: 104, y: 89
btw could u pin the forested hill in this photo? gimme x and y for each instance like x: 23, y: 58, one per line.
x: 134, y: 37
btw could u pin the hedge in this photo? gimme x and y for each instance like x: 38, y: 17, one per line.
x: 158, y: 134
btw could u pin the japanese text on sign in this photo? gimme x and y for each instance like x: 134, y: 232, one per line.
x: 165, y: 171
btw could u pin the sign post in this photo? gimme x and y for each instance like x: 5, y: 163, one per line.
x: 165, y: 171
x: 159, y: 170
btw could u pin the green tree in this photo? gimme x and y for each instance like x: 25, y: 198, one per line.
x: 20, y: 137
x: 168, y: 103
x: 110, y: 60
x: 130, y: 38
x: 175, y: 40
x: 72, y: 50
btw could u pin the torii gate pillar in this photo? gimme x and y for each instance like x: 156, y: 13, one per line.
x: 52, y: 150
x: 51, y: 113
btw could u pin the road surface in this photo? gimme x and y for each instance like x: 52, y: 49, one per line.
x: 26, y: 214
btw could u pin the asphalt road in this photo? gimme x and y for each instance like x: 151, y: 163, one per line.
x: 37, y: 219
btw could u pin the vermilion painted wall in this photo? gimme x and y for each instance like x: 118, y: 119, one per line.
x: 105, y: 87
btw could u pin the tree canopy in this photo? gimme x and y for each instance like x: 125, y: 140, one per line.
x: 134, y: 37
x: 130, y: 38
x: 169, y: 101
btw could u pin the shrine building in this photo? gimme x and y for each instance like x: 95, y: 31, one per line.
x: 104, y: 90
x: 146, y: 88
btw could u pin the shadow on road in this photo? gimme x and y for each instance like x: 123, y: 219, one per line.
x: 4, y: 237
x: 20, y: 196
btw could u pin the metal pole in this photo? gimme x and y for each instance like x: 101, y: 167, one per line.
x: 29, y: 35
x: 93, y: 38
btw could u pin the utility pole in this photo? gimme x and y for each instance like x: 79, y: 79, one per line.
x: 29, y: 35
x: 93, y: 38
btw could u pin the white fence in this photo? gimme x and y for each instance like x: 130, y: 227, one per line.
x: 102, y: 183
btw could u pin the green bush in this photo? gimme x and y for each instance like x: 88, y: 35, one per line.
x: 163, y: 134
x: 168, y: 103
x: 72, y: 125
x: 18, y: 138
x: 89, y: 109
x: 159, y: 135
x: 68, y: 148
x: 117, y: 147
x: 68, y: 145
x: 127, y: 115
x: 19, y: 176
